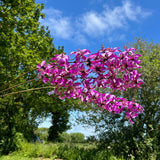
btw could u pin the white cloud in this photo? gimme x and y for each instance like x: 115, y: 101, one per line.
x: 134, y: 12
x: 92, y: 23
x: 59, y: 25
x: 98, y: 23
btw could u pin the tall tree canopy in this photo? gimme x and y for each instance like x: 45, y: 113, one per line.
x: 23, y: 44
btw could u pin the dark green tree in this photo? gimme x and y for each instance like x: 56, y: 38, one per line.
x: 60, y: 121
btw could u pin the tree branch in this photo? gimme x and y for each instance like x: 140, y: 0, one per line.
x: 17, y: 78
x: 17, y: 85
x: 34, y: 89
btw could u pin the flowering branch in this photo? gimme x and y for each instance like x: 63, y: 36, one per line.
x: 106, y: 65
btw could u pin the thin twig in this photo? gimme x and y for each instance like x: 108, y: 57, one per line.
x: 17, y: 85
x: 17, y: 78
x: 34, y: 89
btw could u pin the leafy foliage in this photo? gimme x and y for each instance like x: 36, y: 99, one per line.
x: 71, y: 138
x: 42, y: 133
x: 140, y: 140
x: 23, y: 44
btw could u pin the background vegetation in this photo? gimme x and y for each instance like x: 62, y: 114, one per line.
x: 141, y: 139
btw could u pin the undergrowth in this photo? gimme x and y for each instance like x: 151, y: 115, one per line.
x: 63, y: 151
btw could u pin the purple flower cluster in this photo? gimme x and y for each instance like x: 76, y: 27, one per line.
x: 108, y: 68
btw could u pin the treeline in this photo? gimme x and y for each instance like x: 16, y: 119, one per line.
x: 63, y: 137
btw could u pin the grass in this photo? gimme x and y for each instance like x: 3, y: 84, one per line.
x: 17, y: 157
x: 51, y: 151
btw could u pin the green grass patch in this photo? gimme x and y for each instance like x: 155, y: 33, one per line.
x: 51, y: 151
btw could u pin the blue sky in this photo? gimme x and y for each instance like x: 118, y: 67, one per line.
x: 79, y: 24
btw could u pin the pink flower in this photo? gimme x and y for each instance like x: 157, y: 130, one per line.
x: 62, y: 58
x: 41, y: 67
x: 45, y: 80
x: 81, y: 52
